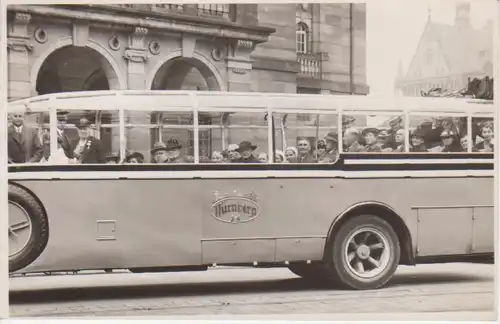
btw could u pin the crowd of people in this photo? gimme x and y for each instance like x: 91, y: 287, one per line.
x: 440, y: 135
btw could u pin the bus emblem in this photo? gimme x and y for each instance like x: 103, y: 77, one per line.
x: 235, y: 207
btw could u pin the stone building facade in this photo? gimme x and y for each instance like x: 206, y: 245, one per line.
x: 227, y: 47
x: 448, y: 55
x: 284, y: 48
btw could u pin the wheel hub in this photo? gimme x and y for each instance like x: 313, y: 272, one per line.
x: 363, y: 252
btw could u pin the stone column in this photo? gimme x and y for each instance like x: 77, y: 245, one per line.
x: 138, y: 139
x: 239, y: 66
x: 19, y: 48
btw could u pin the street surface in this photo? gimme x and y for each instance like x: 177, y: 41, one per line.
x: 450, y: 289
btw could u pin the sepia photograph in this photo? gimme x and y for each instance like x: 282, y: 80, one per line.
x: 262, y: 159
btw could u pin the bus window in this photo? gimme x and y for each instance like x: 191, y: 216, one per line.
x: 437, y: 133
x: 306, y: 137
x: 233, y: 137
x: 27, y: 137
x: 373, y: 133
x: 482, y: 135
x: 172, y: 137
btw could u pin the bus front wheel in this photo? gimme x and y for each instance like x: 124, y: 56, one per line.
x: 365, y: 253
x: 28, y: 228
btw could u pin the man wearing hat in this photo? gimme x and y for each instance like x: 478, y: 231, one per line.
x: 246, y: 150
x: 332, y: 147
x: 396, y: 123
x: 168, y: 153
x: 89, y: 149
x: 62, y: 137
x: 370, y: 134
x: 351, y: 141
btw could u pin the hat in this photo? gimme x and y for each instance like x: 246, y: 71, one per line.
x: 383, y: 134
x: 232, y: 147
x: 84, y: 123
x: 113, y: 157
x: 395, y: 121
x: 417, y: 133
x: 245, y: 145
x: 173, y: 144
x: 135, y: 155
x: 332, y: 136
x: 62, y: 113
x: 447, y: 133
x: 372, y: 130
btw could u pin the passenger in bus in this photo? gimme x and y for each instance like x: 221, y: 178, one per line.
x: 400, y: 140
x: 279, y: 156
x: 89, y: 149
x: 382, y: 138
x: 233, y: 154
x: 370, y: 134
x: 464, y: 143
x: 168, y: 153
x: 304, y: 149
x: 62, y: 137
x: 112, y: 158
x: 134, y: 158
x: 24, y: 144
x: 262, y: 157
x: 351, y: 141
x: 395, y: 124
x: 246, y: 150
x: 320, y: 149
x: 417, y: 141
x: 487, y: 144
x: 332, y: 147
x: 291, y: 154
x: 217, y: 157
x: 449, y: 143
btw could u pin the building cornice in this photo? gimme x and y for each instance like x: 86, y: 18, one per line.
x: 172, y: 22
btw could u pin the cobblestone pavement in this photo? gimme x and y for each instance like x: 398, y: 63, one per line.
x: 426, y: 288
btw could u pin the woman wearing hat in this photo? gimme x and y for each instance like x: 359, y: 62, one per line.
x: 370, y: 134
x: 168, y: 153
x: 246, y: 150
x: 89, y: 149
x: 449, y: 142
x: 417, y: 141
x: 134, y: 158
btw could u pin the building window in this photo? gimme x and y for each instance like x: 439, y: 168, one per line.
x: 302, y: 38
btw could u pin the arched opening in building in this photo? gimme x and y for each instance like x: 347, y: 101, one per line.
x: 184, y: 74
x: 71, y: 69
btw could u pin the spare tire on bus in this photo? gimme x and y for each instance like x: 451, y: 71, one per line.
x: 364, y: 254
x: 28, y: 228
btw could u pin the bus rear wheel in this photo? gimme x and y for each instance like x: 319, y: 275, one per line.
x: 365, y: 253
x: 28, y: 230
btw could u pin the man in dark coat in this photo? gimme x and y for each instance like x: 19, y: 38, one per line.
x: 246, y: 150
x: 24, y: 145
x: 62, y: 136
x: 89, y: 149
x: 304, y: 148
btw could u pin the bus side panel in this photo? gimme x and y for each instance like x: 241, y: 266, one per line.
x: 96, y: 224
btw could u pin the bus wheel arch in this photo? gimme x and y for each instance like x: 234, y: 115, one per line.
x: 367, y: 235
x: 24, y: 199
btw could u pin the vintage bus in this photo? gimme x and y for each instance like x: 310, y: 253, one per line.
x: 338, y: 188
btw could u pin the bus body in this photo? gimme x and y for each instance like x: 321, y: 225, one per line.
x: 352, y: 220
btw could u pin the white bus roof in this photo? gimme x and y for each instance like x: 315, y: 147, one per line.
x: 153, y: 100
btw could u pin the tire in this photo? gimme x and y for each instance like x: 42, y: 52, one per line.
x: 24, y: 202
x: 349, y: 274
x: 309, y: 271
